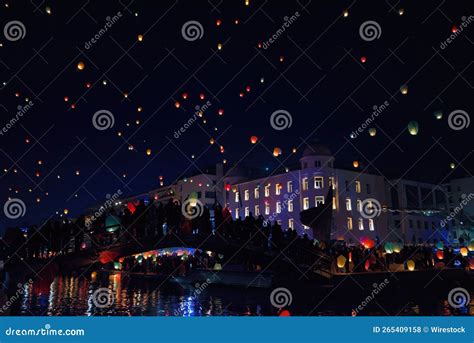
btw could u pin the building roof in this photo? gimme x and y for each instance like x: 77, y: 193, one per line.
x: 316, y: 149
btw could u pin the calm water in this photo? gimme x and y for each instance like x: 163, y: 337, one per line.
x: 72, y: 295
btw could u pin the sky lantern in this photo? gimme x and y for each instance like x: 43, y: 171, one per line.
x: 470, y: 246
x: 345, y: 14
x: 284, y: 313
x: 140, y: 38
x: 78, y: 172
x: 48, y: 10
x: 247, y: 89
x: 411, y: 265
x: 367, y: 265
x: 218, y: 22
x: 212, y: 141
x: 367, y: 242
x: 282, y: 58
x: 228, y: 187
x: 372, y: 131
x: 404, y: 89
x: 185, y: 95
x: 66, y: 99
x: 276, y: 152
x: 355, y: 164
x: 253, y: 139
x: 177, y: 104
x: 413, y: 128
x: 219, y: 46
x: 202, y: 96
x: 452, y: 165
x: 440, y: 254
x: 401, y: 11
x: 438, y: 114
x: 388, y: 247
x: 148, y: 151
x: 65, y: 211
x: 80, y: 65
x: 341, y: 261
x: 464, y: 252
x: 221, y: 148
x: 440, y: 246
x: 241, y: 94
x: 221, y: 111
x: 363, y: 59
x: 454, y: 29
x: 471, y: 264
x: 397, y: 247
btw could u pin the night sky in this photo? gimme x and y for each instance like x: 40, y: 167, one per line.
x: 314, y: 70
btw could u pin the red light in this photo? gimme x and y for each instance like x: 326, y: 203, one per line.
x: 454, y: 29
x: 363, y: 59
x: 177, y: 104
x: 202, y: 96
x: 284, y: 313
x: 185, y: 96
x: 221, y: 111
x: 218, y: 22
x: 247, y: 88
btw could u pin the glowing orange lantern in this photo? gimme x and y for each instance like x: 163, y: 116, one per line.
x: 355, y: 164
x: 276, y: 152
x: 253, y: 139
x: 341, y: 261
x: 411, y: 265
x: 464, y: 251
x: 440, y: 254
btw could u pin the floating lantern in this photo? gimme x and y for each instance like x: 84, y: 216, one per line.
x: 202, y: 96
x: 452, y: 165
x: 148, y: 151
x: 221, y: 111
x: 81, y: 66
x: 372, y: 131
x: 388, y: 247
x: 397, y: 247
x: 401, y: 11
x: 470, y: 246
x: 78, y: 172
x: 177, y: 104
x: 454, y: 29
x: 440, y: 254
x: 218, y: 22
x: 341, y: 261
x: 464, y: 252
x: 404, y: 89
x: 140, y: 38
x: 65, y: 211
x: 253, y: 139
x: 241, y: 94
x: 282, y: 58
x: 212, y: 141
x: 66, y: 99
x: 48, y: 10
x: 413, y: 128
x: 363, y: 59
x: 262, y: 80
x: 185, y: 96
x: 247, y: 2
x: 471, y: 264
x: 438, y: 114
x: 219, y: 46
x: 221, y: 148
x: 367, y: 242
x: 284, y: 313
x: 345, y: 14
x: 227, y: 187
x: 88, y: 85
x: 411, y: 265
x: 367, y: 265
x: 440, y: 246
x: 247, y: 89
x: 276, y: 152
x: 355, y: 164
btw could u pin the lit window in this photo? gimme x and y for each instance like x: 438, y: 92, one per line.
x: 256, y: 193
x: 279, y: 222
x: 247, y: 212
x: 359, y: 205
x: 291, y: 223
x: 361, y: 224
x: 290, y: 205
x: 246, y: 195
x: 319, y: 200
x: 306, y: 227
x: 348, y: 204
x: 278, y: 189
x: 289, y: 186
x: 305, y: 203
x: 349, y: 223
x: 318, y: 182
x: 371, y: 225
x: 331, y: 182
x: 257, y: 210
x: 305, y: 184
x: 357, y: 186
x: 267, y: 209
x: 236, y: 197
x: 236, y: 213
x: 334, y: 203
x: 267, y: 190
x: 278, y: 207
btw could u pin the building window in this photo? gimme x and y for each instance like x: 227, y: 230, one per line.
x: 361, y: 224
x: 279, y: 222
x: 359, y: 205
x: 349, y: 223
x: 410, y: 223
x: 367, y: 187
x: 331, y: 182
x: 290, y: 205
x: 334, y: 203
x: 318, y: 200
x: 247, y: 212
x: 236, y: 197
x: 318, y: 182
x: 246, y: 195
x: 291, y: 223
x: 348, y: 204
x: 278, y: 207
x: 256, y: 193
x: 371, y: 225
x: 267, y: 209
x: 357, y: 186
x: 346, y: 185
x: 305, y: 203
x: 305, y: 184
x: 289, y: 186
x: 257, y: 210
x: 236, y: 213
x: 278, y: 188
x: 317, y: 164
x: 267, y: 191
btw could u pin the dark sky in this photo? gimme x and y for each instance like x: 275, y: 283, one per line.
x: 321, y: 82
